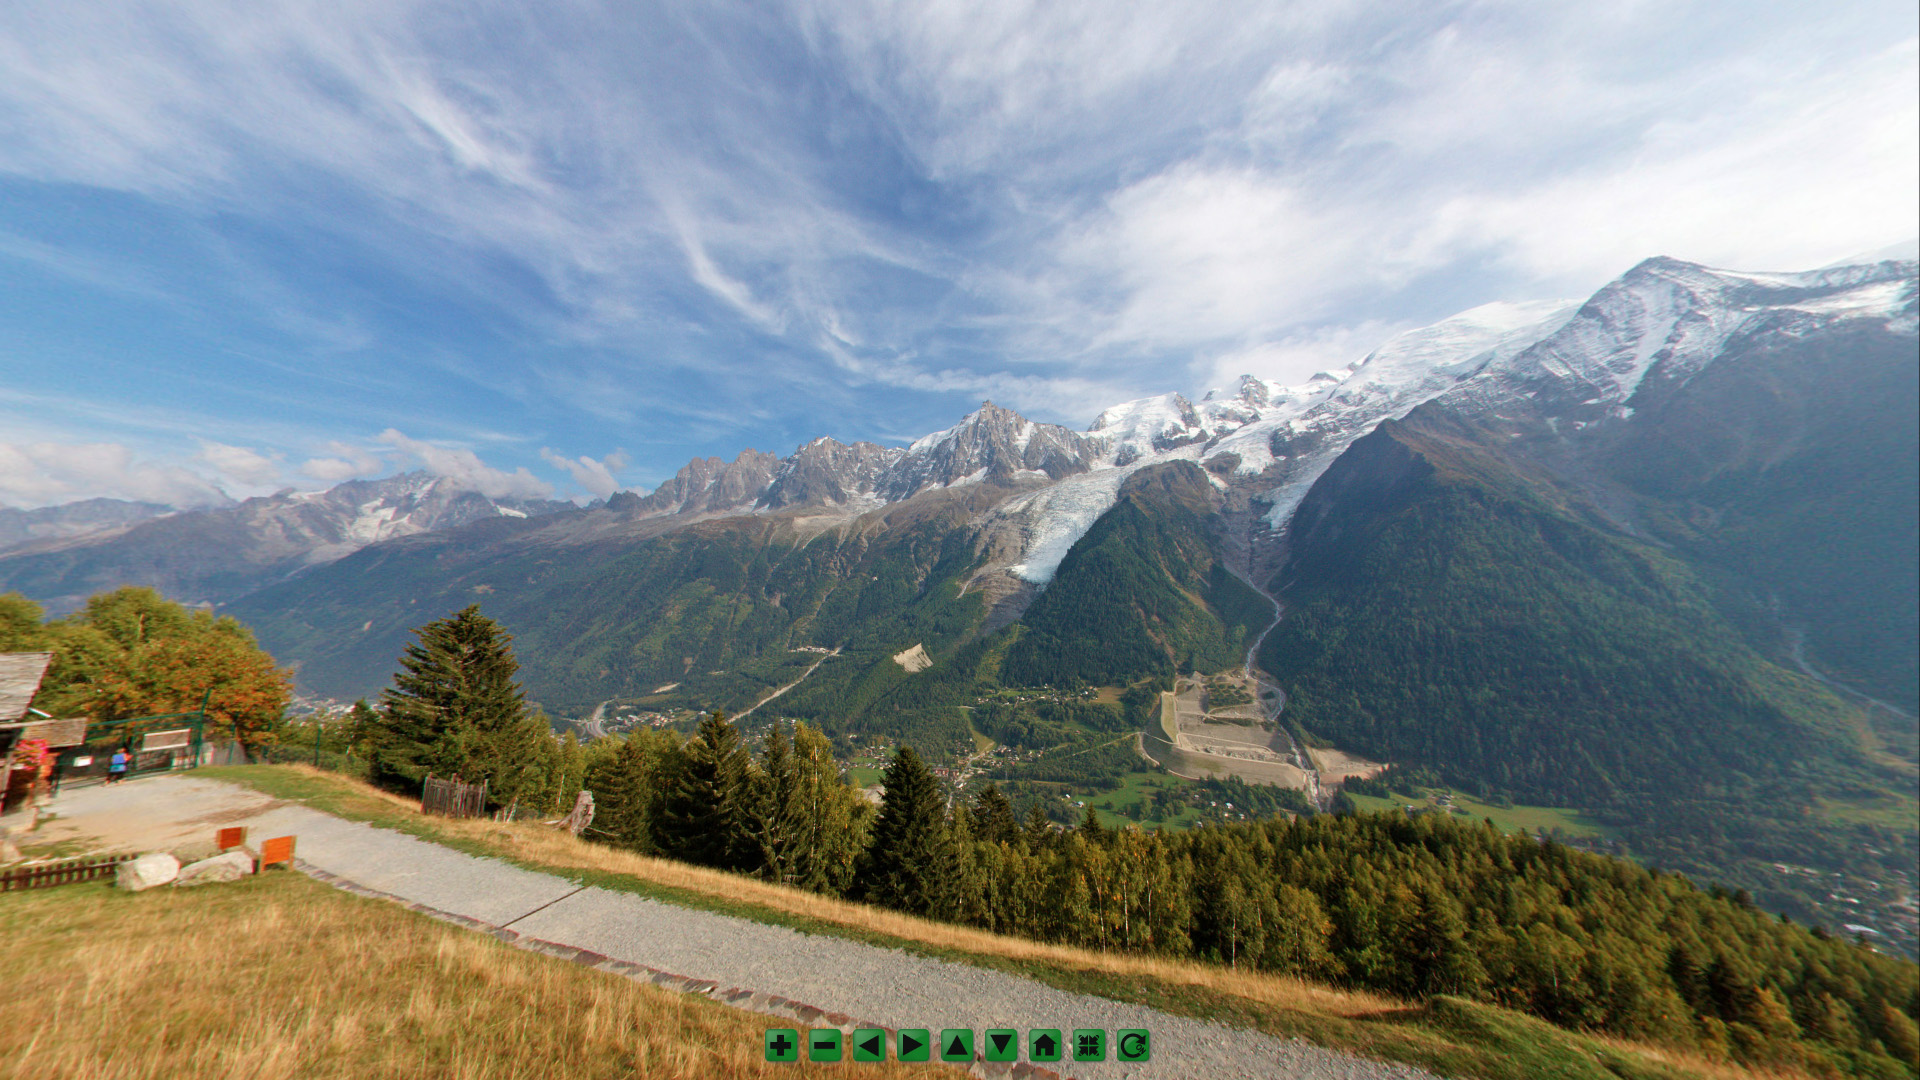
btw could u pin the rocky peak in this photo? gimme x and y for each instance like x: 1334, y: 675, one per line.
x: 991, y: 444
x: 829, y: 472
x: 710, y: 484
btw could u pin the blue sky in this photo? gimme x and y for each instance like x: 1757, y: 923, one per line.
x: 554, y: 249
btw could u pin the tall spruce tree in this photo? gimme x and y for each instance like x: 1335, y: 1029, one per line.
x: 454, y: 709
x: 993, y: 817
x: 826, y: 820
x: 909, y: 865
x: 626, y: 789
x: 704, y: 814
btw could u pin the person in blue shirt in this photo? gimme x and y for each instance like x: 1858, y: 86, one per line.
x: 117, y: 766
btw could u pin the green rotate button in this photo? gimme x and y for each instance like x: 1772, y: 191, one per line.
x: 1133, y: 1044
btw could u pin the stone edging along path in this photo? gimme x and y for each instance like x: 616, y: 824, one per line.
x: 750, y: 1000
x: 814, y: 978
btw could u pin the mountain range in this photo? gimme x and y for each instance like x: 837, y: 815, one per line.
x: 1651, y: 555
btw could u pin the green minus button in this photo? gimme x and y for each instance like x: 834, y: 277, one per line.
x: 823, y: 1044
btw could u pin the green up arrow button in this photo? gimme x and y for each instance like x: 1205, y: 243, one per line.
x: 956, y: 1044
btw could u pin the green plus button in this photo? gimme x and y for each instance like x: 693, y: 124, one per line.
x: 1003, y: 1044
x: 916, y: 1045
x: 783, y: 1044
x: 1089, y: 1044
x: 823, y: 1044
x: 1043, y: 1044
x: 956, y: 1044
x: 1133, y: 1044
x: 869, y: 1044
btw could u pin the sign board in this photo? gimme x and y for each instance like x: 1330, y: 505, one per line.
x: 82, y: 762
x: 58, y: 733
x: 232, y: 837
x: 177, y: 739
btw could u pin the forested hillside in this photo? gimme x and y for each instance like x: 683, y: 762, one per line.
x: 1790, y: 467
x: 1411, y: 906
x: 1451, y: 606
x: 1142, y: 592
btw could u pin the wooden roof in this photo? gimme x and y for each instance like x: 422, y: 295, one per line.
x: 20, y: 675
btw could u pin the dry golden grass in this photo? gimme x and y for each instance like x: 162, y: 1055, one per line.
x: 283, y: 977
x: 557, y: 848
x: 1356, y: 1020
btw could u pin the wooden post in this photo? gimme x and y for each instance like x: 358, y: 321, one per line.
x: 582, y: 815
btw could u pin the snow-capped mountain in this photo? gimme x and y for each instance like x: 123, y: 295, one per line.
x: 1573, y: 364
x: 1577, y: 363
x: 211, y: 555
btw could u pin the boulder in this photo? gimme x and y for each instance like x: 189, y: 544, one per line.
x: 147, y: 871
x: 231, y: 866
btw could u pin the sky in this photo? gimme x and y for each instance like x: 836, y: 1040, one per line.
x: 555, y: 250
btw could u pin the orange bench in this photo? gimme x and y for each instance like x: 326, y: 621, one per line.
x: 233, y: 837
x: 277, y: 850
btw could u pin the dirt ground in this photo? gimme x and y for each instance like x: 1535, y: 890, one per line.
x: 1338, y: 765
x: 181, y: 815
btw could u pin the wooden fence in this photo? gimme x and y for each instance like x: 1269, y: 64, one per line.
x: 47, y: 875
x: 452, y: 798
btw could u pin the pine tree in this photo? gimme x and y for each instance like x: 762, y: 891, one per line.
x: 704, y: 814
x: 826, y: 820
x: 993, y: 818
x: 626, y: 789
x: 908, y: 866
x: 1036, y: 831
x: 770, y: 808
x: 454, y: 709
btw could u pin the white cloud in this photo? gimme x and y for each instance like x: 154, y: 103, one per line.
x: 595, y: 476
x: 1056, y: 204
x: 1198, y: 254
x: 240, y: 467
x: 1295, y: 357
x: 43, y: 473
x: 344, y: 462
x: 464, y: 467
x: 1789, y: 182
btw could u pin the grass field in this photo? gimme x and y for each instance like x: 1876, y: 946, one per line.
x: 1516, y: 818
x: 981, y: 743
x: 866, y: 777
x: 279, y: 976
x: 1889, y: 811
x: 1455, y: 1038
x: 1138, y: 787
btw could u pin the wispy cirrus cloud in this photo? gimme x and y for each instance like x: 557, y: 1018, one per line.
x: 683, y: 228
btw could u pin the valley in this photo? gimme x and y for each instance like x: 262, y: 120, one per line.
x: 1545, y: 553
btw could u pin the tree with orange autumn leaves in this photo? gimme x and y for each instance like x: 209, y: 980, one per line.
x: 132, y: 652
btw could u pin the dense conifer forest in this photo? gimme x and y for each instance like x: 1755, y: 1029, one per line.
x: 1410, y: 906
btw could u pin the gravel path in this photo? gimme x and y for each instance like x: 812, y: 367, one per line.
x: 880, y: 987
